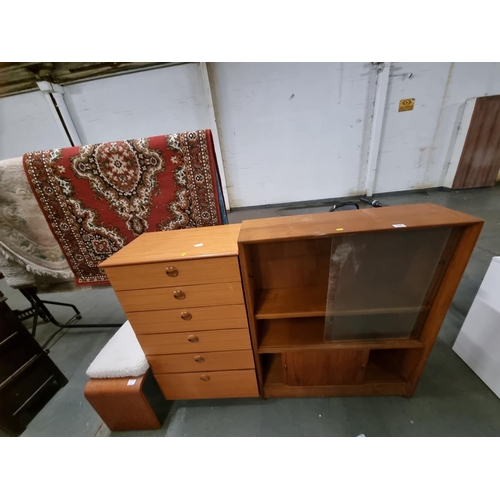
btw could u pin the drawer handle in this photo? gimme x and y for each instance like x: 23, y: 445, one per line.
x: 179, y: 295
x: 199, y: 359
x: 193, y: 339
x: 172, y: 271
x: 186, y: 316
x: 205, y: 378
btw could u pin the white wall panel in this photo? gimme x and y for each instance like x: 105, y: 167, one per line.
x: 290, y: 131
x: 143, y: 104
x: 26, y: 124
x: 417, y: 146
x: 406, y: 150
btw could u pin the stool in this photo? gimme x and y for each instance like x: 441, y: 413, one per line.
x: 118, y: 378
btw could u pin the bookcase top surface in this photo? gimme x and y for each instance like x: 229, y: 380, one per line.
x: 394, y: 218
x: 181, y: 244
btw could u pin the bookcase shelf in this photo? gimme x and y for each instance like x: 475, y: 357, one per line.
x: 350, y: 303
x: 290, y: 302
x: 303, y: 302
x: 282, y: 335
x: 380, y: 379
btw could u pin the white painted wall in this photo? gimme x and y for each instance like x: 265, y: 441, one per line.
x: 144, y: 104
x: 26, y: 124
x: 276, y: 148
x: 291, y: 131
x: 405, y: 158
x: 279, y: 150
x: 417, y: 146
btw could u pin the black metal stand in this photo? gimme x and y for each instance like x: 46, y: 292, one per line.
x: 39, y: 309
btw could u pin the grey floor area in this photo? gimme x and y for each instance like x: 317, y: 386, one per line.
x: 449, y: 401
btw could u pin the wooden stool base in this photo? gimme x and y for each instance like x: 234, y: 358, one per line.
x: 121, y: 405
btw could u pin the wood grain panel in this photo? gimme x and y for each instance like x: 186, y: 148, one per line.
x: 186, y: 244
x: 216, y: 294
x: 290, y: 302
x: 281, y: 335
x: 375, y: 389
x: 173, y: 343
x: 345, y: 366
x: 123, y: 407
x: 293, y: 264
x: 224, y: 384
x: 480, y: 160
x: 142, y: 276
x: 202, y: 361
x: 324, y: 225
x: 309, y: 302
x: 378, y: 381
x: 247, y: 270
x: 202, y: 318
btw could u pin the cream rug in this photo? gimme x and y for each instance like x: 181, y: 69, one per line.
x: 29, y: 253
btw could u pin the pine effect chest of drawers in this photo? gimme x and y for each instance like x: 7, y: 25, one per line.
x: 182, y: 293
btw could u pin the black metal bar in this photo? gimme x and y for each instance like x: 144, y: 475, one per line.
x: 40, y: 309
x: 63, y: 304
x: 90, y: 325
x: 25, y: 313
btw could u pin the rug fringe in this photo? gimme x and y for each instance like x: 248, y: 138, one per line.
x: 34, y: 269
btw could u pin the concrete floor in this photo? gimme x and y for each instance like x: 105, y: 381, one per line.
x: 449, y: 401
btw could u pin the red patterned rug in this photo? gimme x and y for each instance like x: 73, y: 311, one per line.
x: 98, y: 198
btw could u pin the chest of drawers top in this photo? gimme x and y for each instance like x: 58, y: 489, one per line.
x: 181, y: 245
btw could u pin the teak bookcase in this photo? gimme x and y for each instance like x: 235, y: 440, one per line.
x: 350, y: 303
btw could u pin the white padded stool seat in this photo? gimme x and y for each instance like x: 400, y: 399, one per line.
x: 122, y: 356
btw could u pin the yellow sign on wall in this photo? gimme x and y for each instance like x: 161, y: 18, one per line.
x: 406, y: 105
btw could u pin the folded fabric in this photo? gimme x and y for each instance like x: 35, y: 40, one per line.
x: 122, y: 356
x: 29, y: 253
x: 100, y: 197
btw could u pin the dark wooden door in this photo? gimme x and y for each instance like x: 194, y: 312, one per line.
x: 480, y: 160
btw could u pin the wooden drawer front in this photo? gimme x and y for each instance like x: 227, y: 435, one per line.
x: 199, y: 362
x: 188, y: 272
x: 174, y: 343
x: 216, y: 294
x: 228, y: 384
x: 202, y: 318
